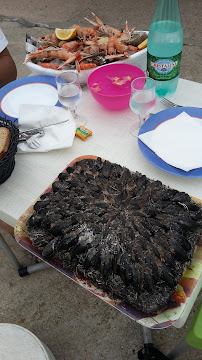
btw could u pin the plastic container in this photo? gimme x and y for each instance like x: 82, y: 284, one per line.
x: 110, y: 84
x: 18, y: 343
x: 164, y: 46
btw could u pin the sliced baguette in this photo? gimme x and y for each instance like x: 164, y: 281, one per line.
x: 5, y: 137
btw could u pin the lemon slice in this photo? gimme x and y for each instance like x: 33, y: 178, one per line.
x: 65, y: 34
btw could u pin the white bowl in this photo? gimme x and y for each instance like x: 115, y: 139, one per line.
x: 138, y: 59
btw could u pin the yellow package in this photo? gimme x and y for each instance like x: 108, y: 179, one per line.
x: 83, y: 133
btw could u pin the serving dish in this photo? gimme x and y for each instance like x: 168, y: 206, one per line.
x: 138, y: 59
x: 181, y: 297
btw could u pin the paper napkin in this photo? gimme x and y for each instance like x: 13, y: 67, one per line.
x: 177, y: 141
x: 56, y: 136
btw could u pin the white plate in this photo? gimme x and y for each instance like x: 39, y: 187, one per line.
x: 151, y: 124
x: 34, y: 93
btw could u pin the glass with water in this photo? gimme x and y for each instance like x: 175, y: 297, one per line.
x: 142, y: 100
x: 69, y: 94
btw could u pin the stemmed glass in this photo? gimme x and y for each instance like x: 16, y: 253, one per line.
x: 142, y: 100
x: 69, y: 94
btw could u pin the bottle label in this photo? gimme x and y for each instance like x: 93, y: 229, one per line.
x: 163, y: 68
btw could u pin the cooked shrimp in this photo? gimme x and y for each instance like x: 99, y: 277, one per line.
x: 125, y: 36
x: 72, y: 58
x: 85, y: 66
x: 94, y: 47
x: 85, y: 33
x: 49, y: 40
x: 111, y: 48
x: 49, y: 66
x: 48, y: 37
x: 121, y: 48
x: 105, y: 29
x: 61, y: 54
x: 113, y: 44
x: 71, y: 45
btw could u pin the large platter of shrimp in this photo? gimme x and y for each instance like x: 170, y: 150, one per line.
x: 92, y: 46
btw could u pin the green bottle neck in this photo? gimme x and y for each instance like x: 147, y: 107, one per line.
x: 167, y: 10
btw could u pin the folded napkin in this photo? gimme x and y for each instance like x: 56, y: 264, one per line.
x: 56, y: 136
x: 177, y: 141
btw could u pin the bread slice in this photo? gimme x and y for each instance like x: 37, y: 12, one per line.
x: 5, y: 137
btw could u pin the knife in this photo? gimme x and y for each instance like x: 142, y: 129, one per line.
x: 40, y: 128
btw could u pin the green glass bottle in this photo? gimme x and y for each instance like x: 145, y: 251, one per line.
x: 164, y: 48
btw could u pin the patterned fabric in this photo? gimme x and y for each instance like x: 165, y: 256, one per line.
x: 3, y: 41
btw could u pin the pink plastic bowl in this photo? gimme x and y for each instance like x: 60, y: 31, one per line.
x: 110, y: 84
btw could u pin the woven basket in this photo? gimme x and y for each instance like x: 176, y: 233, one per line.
x: 7, y: 163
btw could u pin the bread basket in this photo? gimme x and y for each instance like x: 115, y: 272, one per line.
x: 7, y: 163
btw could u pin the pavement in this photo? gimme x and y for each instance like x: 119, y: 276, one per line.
x: 73, y: 323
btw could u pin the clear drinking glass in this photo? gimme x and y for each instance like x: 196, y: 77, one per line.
x: 69, y: 94
x: 142, y: 100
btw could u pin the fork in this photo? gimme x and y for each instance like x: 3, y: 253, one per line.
x: 169, y: 104
x: 31, y: 140
x: 24, y: 134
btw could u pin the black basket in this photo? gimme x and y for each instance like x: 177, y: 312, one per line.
x: 7, y: 163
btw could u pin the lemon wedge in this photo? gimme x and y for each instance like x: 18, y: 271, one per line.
x: 65, y: 34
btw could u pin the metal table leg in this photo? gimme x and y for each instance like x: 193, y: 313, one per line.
x: 149, y: 352
x: 22, y: 270
x: 27, y: 270
x: 9, y: 253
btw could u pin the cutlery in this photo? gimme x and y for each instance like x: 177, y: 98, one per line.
x: 24, y: 134
x: 33, y: 143
x: 31, y: 140
x: 42, y: 127
x: 170, y: 104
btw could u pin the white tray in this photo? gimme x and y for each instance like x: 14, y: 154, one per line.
x: 138, y: 59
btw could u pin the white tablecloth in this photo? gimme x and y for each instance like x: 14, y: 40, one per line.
x: 111, y: 140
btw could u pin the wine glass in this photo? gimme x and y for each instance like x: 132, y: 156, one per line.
x: 69, y: 94
x: 142, y: 100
